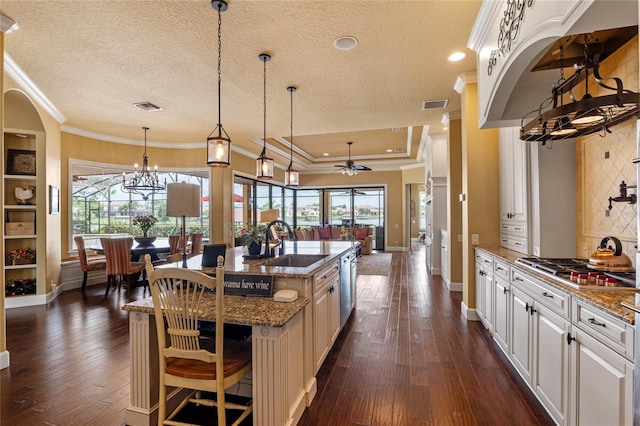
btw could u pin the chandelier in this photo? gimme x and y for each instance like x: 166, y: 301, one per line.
x: 219, y: 146
x: 264, y: 164
x: 143, y: 182
x: 291, y: 176
x: 555, y: 120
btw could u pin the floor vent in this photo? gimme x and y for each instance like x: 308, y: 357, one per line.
x: 441, y: 103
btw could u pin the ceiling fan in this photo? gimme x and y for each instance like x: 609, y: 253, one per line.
x: 350, y: 168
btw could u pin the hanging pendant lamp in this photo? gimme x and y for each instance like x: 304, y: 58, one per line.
x: 143, y: 182
x: 264, y: 164
x: 219, y: 146
x: 291, y: 176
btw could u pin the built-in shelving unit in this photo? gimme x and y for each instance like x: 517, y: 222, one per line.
x: 23, y: 211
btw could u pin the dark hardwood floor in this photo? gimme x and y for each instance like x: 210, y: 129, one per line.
x: 405, y: 357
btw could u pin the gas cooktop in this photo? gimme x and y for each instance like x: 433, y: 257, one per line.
x: 560, y: 269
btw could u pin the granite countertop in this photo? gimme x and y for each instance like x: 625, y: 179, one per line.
x: 235, y: 261
x: 608, y: 300
x: 244, y: 310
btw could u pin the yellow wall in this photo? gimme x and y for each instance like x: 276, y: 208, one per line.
x: 454, y: 206
x: 481, y: 210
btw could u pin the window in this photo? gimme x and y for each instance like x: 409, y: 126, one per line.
x: 99, y: 205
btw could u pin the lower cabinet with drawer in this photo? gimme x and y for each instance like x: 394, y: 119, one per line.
x: 602, y: 373
x: 576, y: 357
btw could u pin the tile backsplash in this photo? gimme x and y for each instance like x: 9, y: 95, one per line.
x: 603, y: 163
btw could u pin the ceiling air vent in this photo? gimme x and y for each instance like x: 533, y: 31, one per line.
x: 441, y: 103
x: 397, y: 129
x: 147, y: 106
x: 399, y: 150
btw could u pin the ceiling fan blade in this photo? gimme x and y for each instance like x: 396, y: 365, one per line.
x: 361, y: 167
x: 339, y: 165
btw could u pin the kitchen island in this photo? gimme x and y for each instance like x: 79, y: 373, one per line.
x: 289, y: 340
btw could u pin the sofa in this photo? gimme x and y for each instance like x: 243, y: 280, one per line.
x: 363, y: 234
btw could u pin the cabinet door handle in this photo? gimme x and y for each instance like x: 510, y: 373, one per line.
x: 545, y: 294
x: 526, y: 307
x: 570, y: 339
x: 499, y: 268
x: 595, y: 322
x: 518, y: 228
x: 517, y: 278
x: 505, y: 290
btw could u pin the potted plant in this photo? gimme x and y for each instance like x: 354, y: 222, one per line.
x: 251, y: 237
x: 145, y: 223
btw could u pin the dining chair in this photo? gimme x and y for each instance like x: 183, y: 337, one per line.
x: 178, y: 303
x: 87, y: 266
x: 175, y: 244
x: 117, y: 252
x: 196, y: 243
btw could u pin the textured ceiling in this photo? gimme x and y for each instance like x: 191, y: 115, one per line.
x: 94, y: 59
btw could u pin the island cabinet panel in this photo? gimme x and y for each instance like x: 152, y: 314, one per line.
x: 484, y: 290
x: 326, y: 312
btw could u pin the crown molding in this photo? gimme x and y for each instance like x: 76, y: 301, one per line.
x: 481, y: 27
x: 8, y: 25
x: 464, y: 79
x: 23, y: 80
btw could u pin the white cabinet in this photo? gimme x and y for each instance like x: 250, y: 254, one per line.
x: 326, y: 312
x: 521, y: 333
x: 502, y: 305
x: 535, y: 182
x: 514, y: 190
x: 513, y: 176
x: 484, y: 289
x: 602, y: 384
x: 551, y: 361
x: 602, y: 378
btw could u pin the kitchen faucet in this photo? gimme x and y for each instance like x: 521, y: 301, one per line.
x: 623, y: 195
x: 269, y: 252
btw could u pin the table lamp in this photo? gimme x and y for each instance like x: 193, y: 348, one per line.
x: 183, y: 199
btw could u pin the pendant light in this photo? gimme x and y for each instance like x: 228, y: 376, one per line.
x: 291, y: 176
x: 219, y: 146
x: 264, y: 164
x: 143, y: 182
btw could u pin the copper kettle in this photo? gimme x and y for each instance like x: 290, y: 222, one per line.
x: 607, y: 258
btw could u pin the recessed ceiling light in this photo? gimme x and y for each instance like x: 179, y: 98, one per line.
x: 445, y: 128
x: 345, y: 43
x: 389, y: 150
x: 456, y: 56
x: 326, y: 154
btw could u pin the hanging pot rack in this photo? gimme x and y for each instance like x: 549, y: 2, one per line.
x: 614, y: 108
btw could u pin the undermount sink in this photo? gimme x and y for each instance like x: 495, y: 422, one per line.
x: 295, y: 260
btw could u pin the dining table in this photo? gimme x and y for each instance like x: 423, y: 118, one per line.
x: 160, y: 245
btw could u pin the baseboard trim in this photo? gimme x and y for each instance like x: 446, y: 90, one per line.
x: 4, y: 359
x: 389, y: 248
x: 468, y: 313
x: 454, y: 286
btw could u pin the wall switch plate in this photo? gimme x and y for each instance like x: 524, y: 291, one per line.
x: 459, y: 238
x: 475, y: 239
x: 607, y: 213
